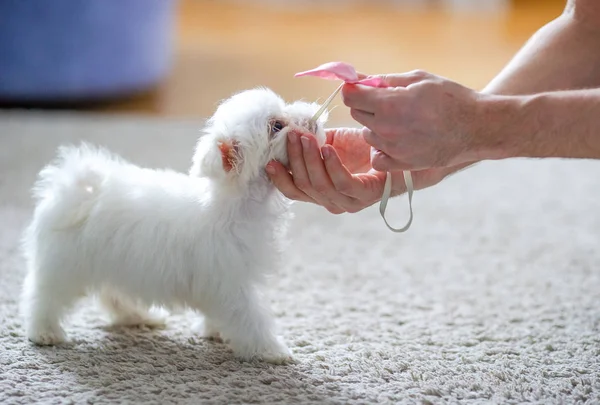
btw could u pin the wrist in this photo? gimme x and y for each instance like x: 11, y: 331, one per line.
x: 503, y: 125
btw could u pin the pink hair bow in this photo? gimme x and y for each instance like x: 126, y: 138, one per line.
x: 341, y: 71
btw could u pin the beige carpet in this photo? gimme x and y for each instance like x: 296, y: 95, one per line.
x: 491, y: 297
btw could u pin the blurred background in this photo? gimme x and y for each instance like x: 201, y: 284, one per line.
x: 179, y: 58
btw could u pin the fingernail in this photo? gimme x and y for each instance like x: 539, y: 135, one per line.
x: 326, y: 153
x: 304, y: 141
x: 270, y: 169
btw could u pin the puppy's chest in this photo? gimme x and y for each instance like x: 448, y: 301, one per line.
x: 252, y: 244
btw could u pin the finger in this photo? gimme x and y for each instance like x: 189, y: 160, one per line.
x: 332, y: 133
x: 284, y: 182
x: 350, y: 185
x: 372, y: 183
x: 384, y: 154
x: 297, y: 164
x: 365, y: 98
x: 365, y: 118
x: 363, y: 188
x: 383, y: 162
x: 324, y: 189
x: 340, y: 177
x: 299, y: 169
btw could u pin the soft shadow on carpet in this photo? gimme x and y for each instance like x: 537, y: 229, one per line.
x: 491, y: 297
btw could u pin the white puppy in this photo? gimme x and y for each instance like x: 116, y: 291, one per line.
x: 139, y: 237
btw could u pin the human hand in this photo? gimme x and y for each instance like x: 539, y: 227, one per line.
x: 339, y: 177
x: 419, y: 121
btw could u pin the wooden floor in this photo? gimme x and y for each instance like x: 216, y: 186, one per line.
x: 226, y: 46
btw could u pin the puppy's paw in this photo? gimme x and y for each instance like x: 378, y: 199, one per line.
x: 276, y: 353
x: 279, y: 356
x: 154, y: 318
x: 206, y: 329
x: 47, y: 335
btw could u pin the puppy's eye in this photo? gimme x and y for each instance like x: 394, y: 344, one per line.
x: 277, y: 126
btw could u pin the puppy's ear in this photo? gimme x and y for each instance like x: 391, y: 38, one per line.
x: 230, y: 154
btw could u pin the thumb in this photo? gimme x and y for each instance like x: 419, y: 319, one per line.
x: 385, y: 163
x: 380, y: 161
x: 404, y: 79
x: 373, y: 183
x: 362, y: 75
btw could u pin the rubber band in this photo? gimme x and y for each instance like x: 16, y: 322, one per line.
x: 387, y: 192
x: 326, y: 103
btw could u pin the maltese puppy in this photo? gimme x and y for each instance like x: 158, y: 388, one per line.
x: 139, y: 238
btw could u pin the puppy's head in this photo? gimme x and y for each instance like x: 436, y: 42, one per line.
x: 247, y: 131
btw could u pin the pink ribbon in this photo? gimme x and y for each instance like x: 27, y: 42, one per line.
x: 341, y: 71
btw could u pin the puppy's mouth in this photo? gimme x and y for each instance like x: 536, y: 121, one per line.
x: 278, y: 136
x: 309, y: 126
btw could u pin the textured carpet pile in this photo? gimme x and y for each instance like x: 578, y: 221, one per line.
x: 491, y: 297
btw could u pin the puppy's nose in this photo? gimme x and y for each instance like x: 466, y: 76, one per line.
x: 311, y: 126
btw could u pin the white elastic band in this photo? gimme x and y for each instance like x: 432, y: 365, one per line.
x: 387, y: 188
x: 387, y: 191
x: 327, y: 102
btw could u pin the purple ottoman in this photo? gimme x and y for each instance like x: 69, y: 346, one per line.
x: 83, y: 50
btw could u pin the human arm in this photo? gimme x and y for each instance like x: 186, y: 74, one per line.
x: 559, y: 124
x: 435, y: 123
x: 561, y: 55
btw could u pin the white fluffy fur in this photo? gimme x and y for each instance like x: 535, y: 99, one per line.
x: 139, y: 237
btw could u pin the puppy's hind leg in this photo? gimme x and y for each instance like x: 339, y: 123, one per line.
x: 126, y: 312
x: 45, y: 299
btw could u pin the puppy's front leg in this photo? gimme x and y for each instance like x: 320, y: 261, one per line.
x: 248, y: 327
x: 125, y: 312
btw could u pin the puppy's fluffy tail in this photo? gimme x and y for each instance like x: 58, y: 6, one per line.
x: 72, y: 182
